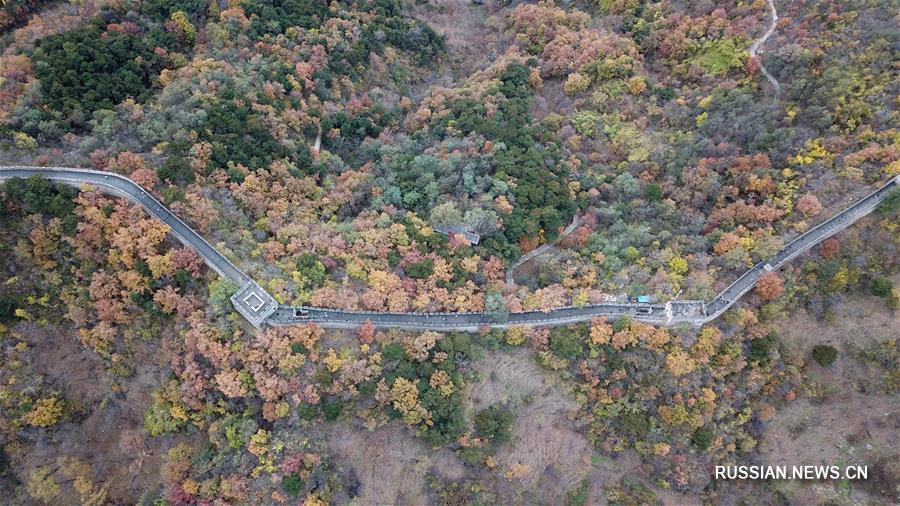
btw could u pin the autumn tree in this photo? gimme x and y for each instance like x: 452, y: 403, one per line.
x: 45, y: 412
x: 769, y: 286
x: 42, y: 484
x: 405, y: 399
x: 809, y: 205
x: 366, y: 332
x: 829, y: 247
x: 600, y: 331
x: 418, y: 347
x: 679, y: 363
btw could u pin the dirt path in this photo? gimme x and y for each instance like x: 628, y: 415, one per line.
x: 754, y: 48
x: 576, y: 220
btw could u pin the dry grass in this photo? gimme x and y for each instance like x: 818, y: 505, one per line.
x: 842, y: 426
x: 391, y: 463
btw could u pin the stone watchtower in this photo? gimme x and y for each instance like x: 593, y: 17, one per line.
x: 254, y: 303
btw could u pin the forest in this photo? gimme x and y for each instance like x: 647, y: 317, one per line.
x: 322, y: 145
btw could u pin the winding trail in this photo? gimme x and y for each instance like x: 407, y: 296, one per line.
x: 576, y: 220
x: 255, y: 304
x: 754, y: 48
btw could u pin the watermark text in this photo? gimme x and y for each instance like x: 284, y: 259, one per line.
x: 792, y: 473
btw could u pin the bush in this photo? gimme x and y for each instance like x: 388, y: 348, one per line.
x: 494, y: 423
x: 824, y: 354
x: 238, y: 134
x: 630, y: 491
x: 881, y: 287
x: 220, y: 291
x: 161, y: 10
x: 175, y: 169
x: 8, y: 307
x: 312, y: 270
x: 758, y: 349
x: 653, y: 192
x: 24, y: 141
x: 719, y: 56
x: 447, y: 416
x: 333, y: 409
x: 393, y: 351
x: 158, y: 419
x: 585, y: 122
x: 420, y: 270
x: 472, y: 455
x: 292, y: 484
x: 45, y: 412
x: 636, y: 424
x: 532, y: 159
x: 565, y: 343
x: 621, y: 324
x: 702, y: 437
x: 579, y: 495
x: 307, y: 412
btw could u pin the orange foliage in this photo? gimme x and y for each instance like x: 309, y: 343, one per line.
x: 769, y: 286
x: 829, y: 247
x: 809, y: 205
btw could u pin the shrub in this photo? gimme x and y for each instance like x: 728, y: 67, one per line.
x: 702, y: 437
x: 333, y: 409
x: 220, y: 291
x: 238, y: 134
x: 585, y: 122
x: 758, y: 349
x: 636, y: 424
x: 576, y: 83
x: 579, y: 495
x: 158, y: 419
x: 292, y: 484
x: 494, y: 423
x: 45, y: 412
x: 531, y: 160
x: 38, y: 195
x: 273, y: 17
x: 420, y: 270
x: 472, y: 455
x: 160, y: 10
x: 630, y: 491
x: 565, y: 343
x: 393, y: 351
x: 8, y: 307
x: 621, y: 324
x: 312, y: 270
x: 307, y: 412
x: 824, y: 354
x: 881, y: 287
x: 653, y: 192
x: 24, y: 141
x: 15, y: 13
x: 175, y: 169
x: 717, y: 57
